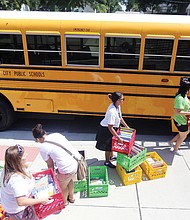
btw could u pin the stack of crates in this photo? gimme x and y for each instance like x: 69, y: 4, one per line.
x: 129, y: 156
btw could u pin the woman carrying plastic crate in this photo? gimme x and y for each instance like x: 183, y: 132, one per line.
x: 108, y: 127
x: 17, y: 185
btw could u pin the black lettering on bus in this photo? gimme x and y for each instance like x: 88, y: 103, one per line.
x: 36, y: 74
x: 81, y: 29
x: 19, y: 73
x: 6, y: 73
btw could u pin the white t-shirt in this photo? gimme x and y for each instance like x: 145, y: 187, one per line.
x: 17, y: 186
x: 112, y: 117
x: 64, y: 162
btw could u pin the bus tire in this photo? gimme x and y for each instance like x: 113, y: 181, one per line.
x: 6, y: 116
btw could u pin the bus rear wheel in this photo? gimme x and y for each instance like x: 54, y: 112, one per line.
x: 6, y: 116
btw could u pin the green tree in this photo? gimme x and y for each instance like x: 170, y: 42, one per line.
x: 3, y: 4
x: 12, y: 4
x: 148, y: 4
x: 105, y: 5
x: 57, y: 5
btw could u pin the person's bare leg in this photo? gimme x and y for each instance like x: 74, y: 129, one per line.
x: 65, y: 190
x: 107, y: 156
x: 71, y: 191
x: 181, y: 138
x: 174, y: 139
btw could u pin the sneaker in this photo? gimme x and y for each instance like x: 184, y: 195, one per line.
x: 109, y: 164
x: 113, y: 158
x: 177, y: 152
x: 172, y: 146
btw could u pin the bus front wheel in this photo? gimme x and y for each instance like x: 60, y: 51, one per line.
x: 6, y: 116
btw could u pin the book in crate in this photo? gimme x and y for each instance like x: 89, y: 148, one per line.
x: 154, y: 166
x: 128, y: 135
x: 132, y: 160
x: 97, y: 181
x: 46, y: 184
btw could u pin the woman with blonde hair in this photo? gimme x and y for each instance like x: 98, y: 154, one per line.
x: 17, y: 184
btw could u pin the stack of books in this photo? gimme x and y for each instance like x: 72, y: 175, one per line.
x: 126, y: 134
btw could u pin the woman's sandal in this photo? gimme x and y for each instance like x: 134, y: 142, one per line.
x: 71, y: 200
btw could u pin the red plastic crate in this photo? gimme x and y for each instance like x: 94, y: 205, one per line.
x: 57, y: 203
x: 124, y: 148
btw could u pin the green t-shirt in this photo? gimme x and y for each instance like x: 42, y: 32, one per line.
x: 183, y: 104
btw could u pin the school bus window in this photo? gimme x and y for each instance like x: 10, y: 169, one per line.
x: 11, y: 49
x: 44, y: 50
x: 122, y: 52
x: 157, y: 54
x: 82, y: 50
x: 183, y: 55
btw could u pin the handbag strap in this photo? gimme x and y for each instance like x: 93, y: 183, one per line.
x: 59, y: 145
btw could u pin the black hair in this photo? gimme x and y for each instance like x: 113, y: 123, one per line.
x: 115, y: 96
x: 38, y: 131
x: 184, y: 87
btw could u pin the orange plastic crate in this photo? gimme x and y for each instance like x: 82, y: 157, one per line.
x: 151, y: 172
x: 124, y: 148
x: 57, y: 202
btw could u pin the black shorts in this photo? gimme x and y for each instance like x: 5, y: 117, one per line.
x: 181, y: 128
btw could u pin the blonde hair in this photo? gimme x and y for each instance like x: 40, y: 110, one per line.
x: 13, y: 163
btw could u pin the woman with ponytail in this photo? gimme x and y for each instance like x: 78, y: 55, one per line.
x: 108, y: 127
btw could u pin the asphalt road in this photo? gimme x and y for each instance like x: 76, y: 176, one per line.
x: 87, y: 124
x: 83, y: 127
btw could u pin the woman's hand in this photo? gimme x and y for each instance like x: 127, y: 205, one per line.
x: 120, y: 140
x: 45, y: 200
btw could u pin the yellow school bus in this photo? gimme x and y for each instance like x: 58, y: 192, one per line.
x: 67, y: 63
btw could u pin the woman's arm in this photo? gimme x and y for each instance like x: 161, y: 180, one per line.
x: 178, y: 111
x: 114, y: 133
x: 50, y: 163
x: 25, y: 201
x: 124, y: 123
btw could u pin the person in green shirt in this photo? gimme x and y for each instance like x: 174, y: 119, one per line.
x: 181, y: 111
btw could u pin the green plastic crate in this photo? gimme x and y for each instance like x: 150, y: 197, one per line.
x: 80, y: 186
x: 130, y: 163
x: 97, y: 173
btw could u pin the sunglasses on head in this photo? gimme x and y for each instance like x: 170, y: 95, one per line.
x: 19, y: 148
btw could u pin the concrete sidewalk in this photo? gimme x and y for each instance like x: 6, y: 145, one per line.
x: 164, y: 198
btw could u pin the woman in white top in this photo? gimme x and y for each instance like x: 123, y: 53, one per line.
x: 108, y: 127
x: 52, y: 153
x: 17, y: 184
